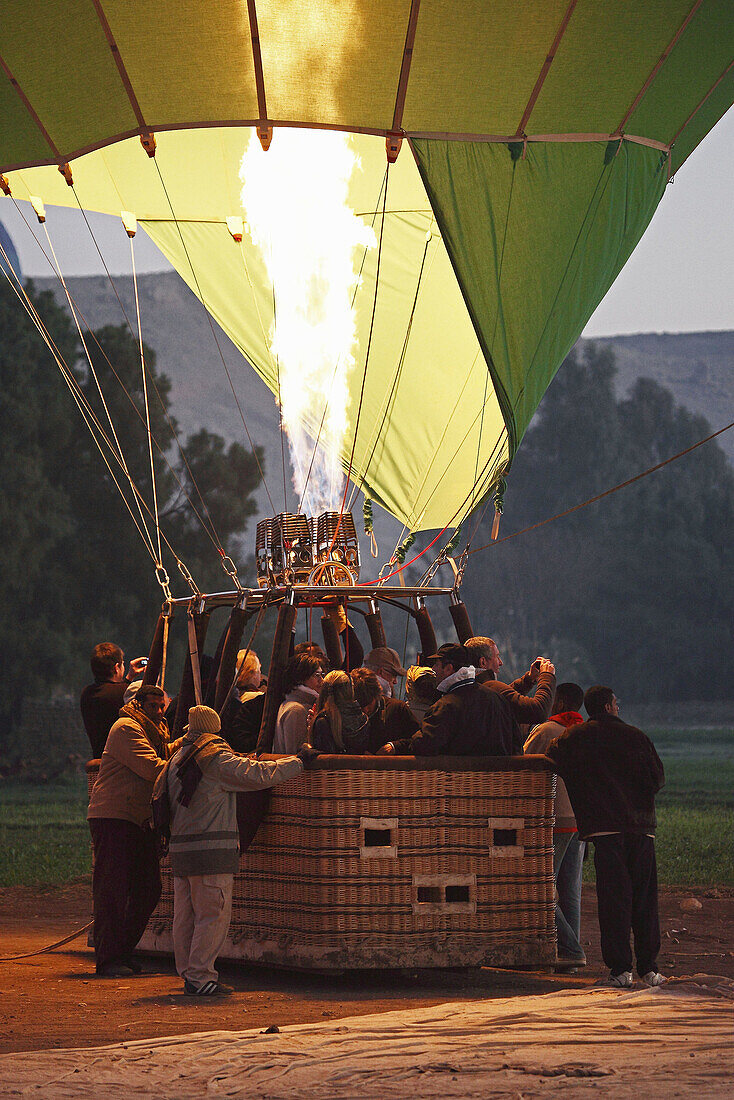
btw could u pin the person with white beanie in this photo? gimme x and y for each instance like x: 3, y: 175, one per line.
x: 203, y: 778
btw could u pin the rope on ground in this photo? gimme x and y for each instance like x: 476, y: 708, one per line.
x: 607, y: 492
x: 51, y: 947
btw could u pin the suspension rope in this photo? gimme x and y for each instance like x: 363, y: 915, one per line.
x: 96, y: 380
x: 280, y: 400
x: 211, y: 529
x: 145, y: 399
x: 95, y: 429
x: 78, y: 396
x: 214, y: 334
x: 607, y: 492
x: 401, y: 363
x: 366, y: 360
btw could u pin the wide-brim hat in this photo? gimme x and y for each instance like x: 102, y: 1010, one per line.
x: 203, y: 720
x: 384, y: 657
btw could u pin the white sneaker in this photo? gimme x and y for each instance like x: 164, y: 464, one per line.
x: 621, y: 981
x: 652, y: 978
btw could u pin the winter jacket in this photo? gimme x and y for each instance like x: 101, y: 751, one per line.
x: 392, y: 720
x: 291, y: 727
x: 100, y: 706
x: 204, y: 835
x: 519, y: 710
x: 468, y: 720
x: 355, y: 732
x: 241, y: 720
x: 135, y: 752
x: 612, y: 774
x: 538, y: 741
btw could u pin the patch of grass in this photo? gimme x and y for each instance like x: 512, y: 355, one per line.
x: 44, y: 837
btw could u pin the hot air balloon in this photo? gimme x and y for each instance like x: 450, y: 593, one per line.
x: 507, y: 160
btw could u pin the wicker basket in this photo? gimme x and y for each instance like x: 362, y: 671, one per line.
x: 368, y: 862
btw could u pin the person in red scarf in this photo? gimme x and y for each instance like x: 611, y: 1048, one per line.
x: 568, y: 850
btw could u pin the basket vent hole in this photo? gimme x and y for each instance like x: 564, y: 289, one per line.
x: 378, y: 838
x: 430, y: 893
x: 457, y: 893
x: 504, y: 838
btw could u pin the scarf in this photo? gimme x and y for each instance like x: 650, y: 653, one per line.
x: 567, y: 718
x: 196, y: 756
x: 158, y: 736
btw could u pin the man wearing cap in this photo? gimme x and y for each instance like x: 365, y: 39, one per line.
x: 203, y: 778
x: 470, y: 719
x: 385, y: 664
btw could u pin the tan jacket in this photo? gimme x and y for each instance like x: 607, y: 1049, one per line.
x: 127, y: 772
x: 538, y: 742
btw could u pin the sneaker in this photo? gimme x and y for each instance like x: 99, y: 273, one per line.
x: 208, y: 989
x: 621, y: 981
x: 652, y: 978
x: 134, y: 965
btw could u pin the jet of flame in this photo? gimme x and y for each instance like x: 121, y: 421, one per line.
x: 297, y: 214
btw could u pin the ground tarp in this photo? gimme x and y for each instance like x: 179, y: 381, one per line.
x: 673, y: 1041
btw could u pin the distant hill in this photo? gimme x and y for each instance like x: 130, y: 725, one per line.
x: 697, y: 367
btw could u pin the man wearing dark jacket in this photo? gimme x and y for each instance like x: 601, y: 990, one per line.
x: 612, y: 774
x: 470, y: 719
x: 101, y: 701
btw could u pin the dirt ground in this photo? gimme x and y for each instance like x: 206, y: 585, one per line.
x: 55, y: 1000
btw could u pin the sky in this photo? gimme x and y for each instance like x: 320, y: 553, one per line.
x: 679, y: 279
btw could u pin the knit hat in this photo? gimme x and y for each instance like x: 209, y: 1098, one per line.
x: 203, y: 720
x: 131, y: 691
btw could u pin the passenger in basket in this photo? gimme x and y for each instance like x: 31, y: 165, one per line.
x: 420, y: 690
x: 243, y: 711
x: 203, y: 778
x: 385, y: 663
x: 339, y: 724
x: 568, y: 850
x: 389, y: 719
x: 470, y: 719
x: 487, y: 662
x: 301, y: 682
x: 126, y: 883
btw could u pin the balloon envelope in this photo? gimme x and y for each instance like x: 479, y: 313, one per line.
x: 539, y: 139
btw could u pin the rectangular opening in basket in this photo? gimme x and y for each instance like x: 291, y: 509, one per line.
x: 378, y: 837
x: 430, y: 893
x: 504, y: 838
x: 444, y: 893
x: 456, y: 894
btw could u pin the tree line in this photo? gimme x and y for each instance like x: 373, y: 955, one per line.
x: 636, y: 591
x: 73, y: 570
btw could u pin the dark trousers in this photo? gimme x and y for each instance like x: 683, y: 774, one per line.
x: 627, y: 895
x: 126, y: 886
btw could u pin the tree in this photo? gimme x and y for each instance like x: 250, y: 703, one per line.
x: 636, y: 589
x: 73, y: 569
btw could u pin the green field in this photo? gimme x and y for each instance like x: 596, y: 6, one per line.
x: 44, y: 837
